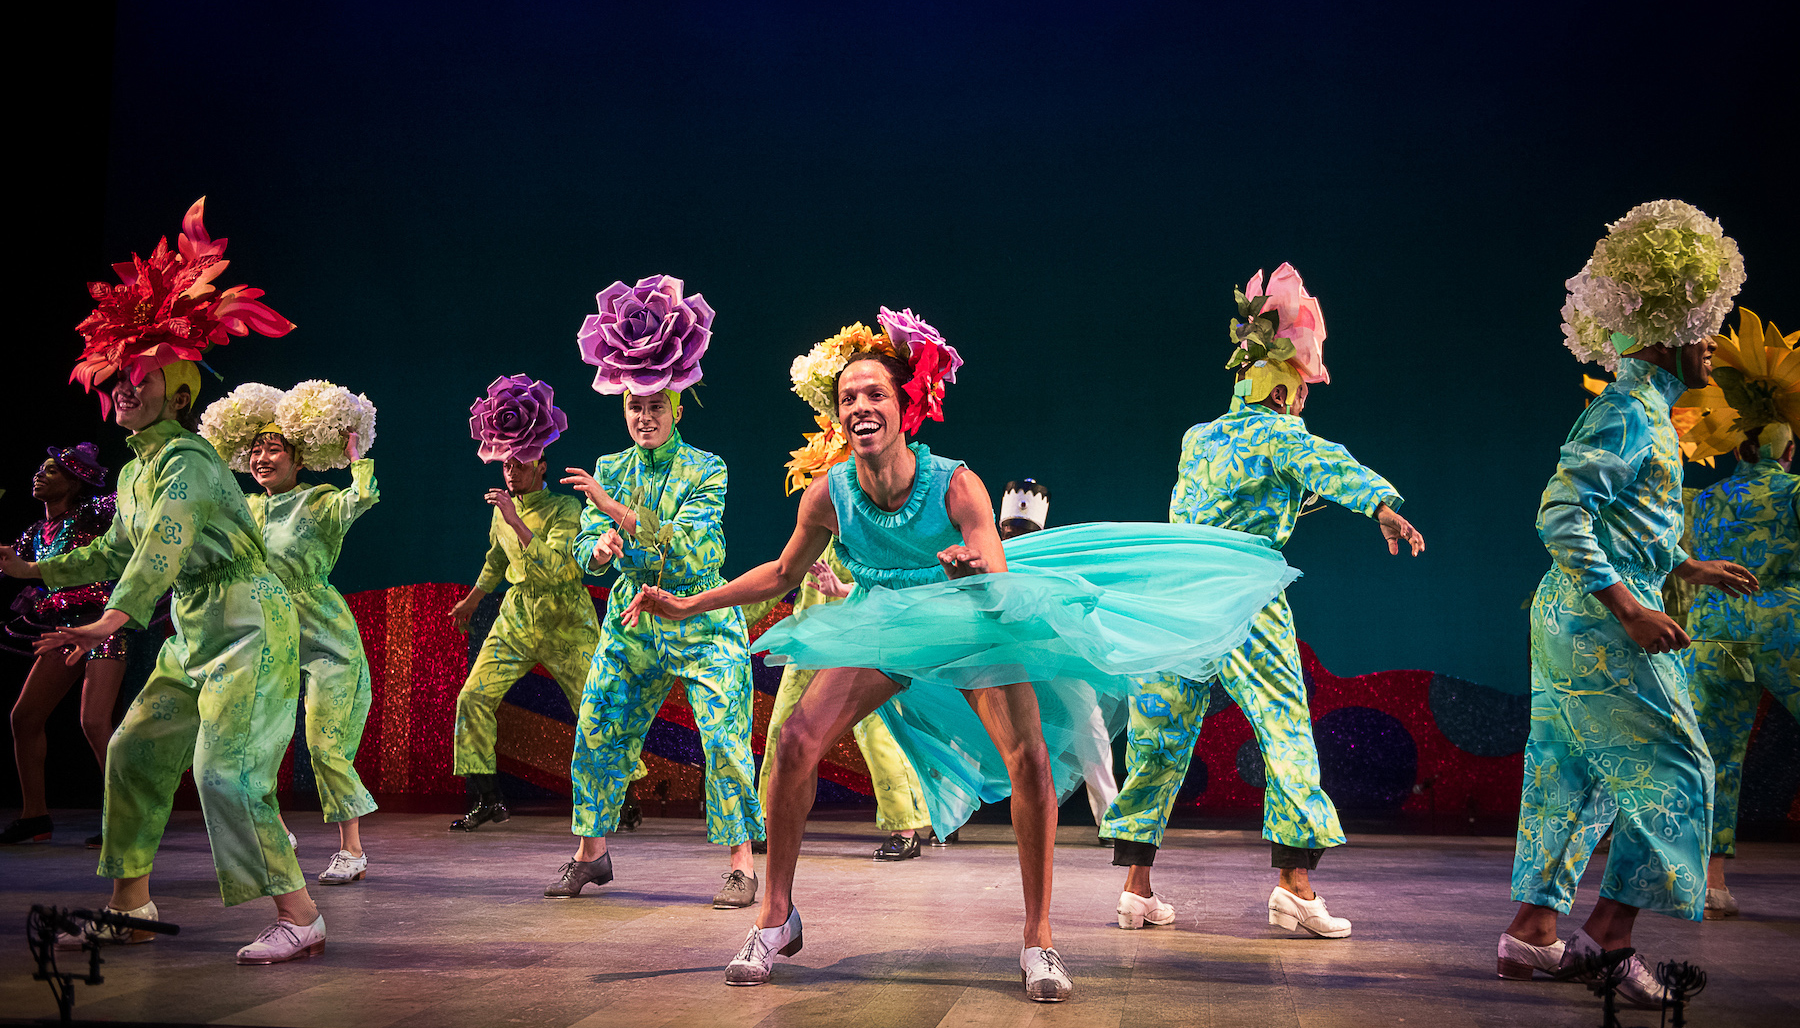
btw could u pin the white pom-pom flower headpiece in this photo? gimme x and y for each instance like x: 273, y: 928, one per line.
x: 316, y: 415
x: 232, y: 422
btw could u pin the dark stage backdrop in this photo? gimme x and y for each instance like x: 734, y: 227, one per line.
x: 434, y: 193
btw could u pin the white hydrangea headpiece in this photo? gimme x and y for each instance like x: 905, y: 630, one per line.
x: 316, y: 414
x: 1664, y: 275
x: 232, y: 422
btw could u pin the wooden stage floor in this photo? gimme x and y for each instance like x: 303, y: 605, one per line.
x: 452, y: 930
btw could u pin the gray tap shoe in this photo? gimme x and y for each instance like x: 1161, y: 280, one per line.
x: 577, y: 873
x: 739, y: 891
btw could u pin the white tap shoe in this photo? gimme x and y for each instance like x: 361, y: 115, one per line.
x: 283, y: 941
x: 111, y: 936
x: 1638, y: 988
x: 1720, y: 904
x: 754, y: 962
x: 344, y: 869
x: 1135, y: 911
x: 1046, y: 979
x: 1289, y: 911
x: 1519, y: 959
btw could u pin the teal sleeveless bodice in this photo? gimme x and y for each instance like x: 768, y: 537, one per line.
x: 900, y: 549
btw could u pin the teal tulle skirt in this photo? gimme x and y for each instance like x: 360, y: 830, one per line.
x: 1083, y: 614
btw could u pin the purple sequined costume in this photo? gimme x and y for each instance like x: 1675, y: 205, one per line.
x: 78, y: 604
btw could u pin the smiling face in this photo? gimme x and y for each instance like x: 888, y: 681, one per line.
x: 522, y: 478
x: 1696, y: 362
x: 272, y: 464
x: 650, y: 419
x: 52, y: 484
x: 869, y: 408
x: 137, y: 407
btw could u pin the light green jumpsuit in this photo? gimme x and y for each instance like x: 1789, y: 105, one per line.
x: 547, y: 618
x: 1249, y: 470
x: 899, y: 798
x: 222, y: 697
x: 303, y: 530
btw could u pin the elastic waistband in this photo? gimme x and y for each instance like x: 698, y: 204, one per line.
x: 693, y: 587
x: 243, y: 569
x: 302, y: 582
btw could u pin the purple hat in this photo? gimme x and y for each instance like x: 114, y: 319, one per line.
x: 81, y: 461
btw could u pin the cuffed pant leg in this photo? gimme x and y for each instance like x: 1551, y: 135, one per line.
x: 1166, y: 714
x: 154, y: 744
x: 507, y: 654
x: 338, y: 697
x: 617, y: 706
x: 722, y: 714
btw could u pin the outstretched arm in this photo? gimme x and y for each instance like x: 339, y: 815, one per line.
x: 812, y: 533
x: 981, y: 551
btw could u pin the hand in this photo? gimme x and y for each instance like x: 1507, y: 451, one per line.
x: 611, y: 545
x: 1720, y: 574
x: 462, y: 612
x: 826, y: 581
x: 75, y: 642
x: 585, y: 484
x: 16, y: 566
x: 1655, y: 631
x: 657, y: 603
x: 502, y: 499
x: 1396, y: 530
x: 352, y: 446
x: 962, y: 561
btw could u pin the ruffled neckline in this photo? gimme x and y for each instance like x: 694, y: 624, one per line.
x: 921, y: 490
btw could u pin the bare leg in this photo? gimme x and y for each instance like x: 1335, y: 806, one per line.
x: 296, y: 907
x: 1715, y: 871
x: 1137, y: 881
x: 130, y: 893
x: 99, y: 693
x: 1011, y: 716
x: 1294, y: 880
x: 742, y: 860
x: 46, y: 684
x: 1610, y: 924
x: 590, y: 847
x: 350, y: 836
x: 1534, y: 925
x: 836, y: 699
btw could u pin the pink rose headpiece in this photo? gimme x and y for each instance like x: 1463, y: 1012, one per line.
x: 646, y: 338
x: 934, y: 363
x: 166, y: 309
x: 1280, y: 323
x: 516, y: 419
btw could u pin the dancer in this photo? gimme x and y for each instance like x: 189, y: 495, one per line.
x: 996, y: 666
x: 1025, y: 507
x: 222, y: 698
x: 1613, y: 738
x: 1744, y: 646
x: 1252, y: 470
x: 899, y: 796
x: 670, y: 531
x: 547, y: 616
x: 76, y: 512
x: 273, y: 435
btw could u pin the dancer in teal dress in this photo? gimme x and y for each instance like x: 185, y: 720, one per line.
x: 1251, y: 470
x: 1614, y: 742
x: 987, y: 678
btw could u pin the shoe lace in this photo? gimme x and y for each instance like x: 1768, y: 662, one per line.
x: 735, y: 878
x: 755, y: 950
x: 341, y: 862
x: 1051, y: 965
x: 567, y: 871
x: 274, y: 932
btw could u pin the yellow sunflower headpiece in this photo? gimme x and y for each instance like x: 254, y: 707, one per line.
x: 1755, y: 383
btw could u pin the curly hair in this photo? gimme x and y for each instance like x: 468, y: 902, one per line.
x: 897, y: 369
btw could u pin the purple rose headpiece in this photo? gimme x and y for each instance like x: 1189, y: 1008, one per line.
x: 646, y: 338
x: 516, y: 419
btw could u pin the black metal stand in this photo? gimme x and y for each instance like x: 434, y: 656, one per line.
x: 1684, y: 981
x: 44, y: 924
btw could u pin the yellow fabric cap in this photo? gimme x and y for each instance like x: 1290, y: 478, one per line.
x: 182, y: 373
x: 1262, y: 378
x: 1774, y: 440
x: 671, y: 395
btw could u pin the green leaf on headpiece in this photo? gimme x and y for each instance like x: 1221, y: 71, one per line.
x: 1243, y: 305
x: 1281, y: 348
x: 1622, y: 342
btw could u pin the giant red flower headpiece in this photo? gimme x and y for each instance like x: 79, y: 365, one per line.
x: 166, y: 309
